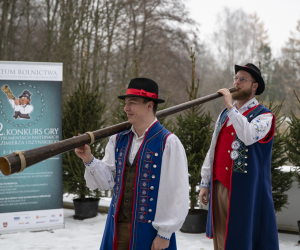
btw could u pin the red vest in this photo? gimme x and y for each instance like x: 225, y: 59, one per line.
x: 222, y: 166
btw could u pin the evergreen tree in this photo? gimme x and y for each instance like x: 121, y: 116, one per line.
x: 194, y: 129
x: 293, y: 142
x: 82, y: 111
x: 281, y: 181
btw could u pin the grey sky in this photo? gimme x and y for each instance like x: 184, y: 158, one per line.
x: 279, y: 16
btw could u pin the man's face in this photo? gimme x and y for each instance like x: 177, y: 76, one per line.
x: 246, y: 88
x: 136, y: 110
x: 23, y: 100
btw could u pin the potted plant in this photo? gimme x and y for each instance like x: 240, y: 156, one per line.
x: 194, y: 129
x: 82, y: 111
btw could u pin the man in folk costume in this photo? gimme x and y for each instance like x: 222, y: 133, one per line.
x: 21, y: 106
x: 147, y: 167
x: 237, y: 170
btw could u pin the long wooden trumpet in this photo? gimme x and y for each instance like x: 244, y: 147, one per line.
x: 18, y: 161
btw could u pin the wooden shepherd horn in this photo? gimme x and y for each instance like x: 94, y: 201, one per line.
x: 18, y: 161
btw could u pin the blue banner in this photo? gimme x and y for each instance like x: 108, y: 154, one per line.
x: 30, y: 117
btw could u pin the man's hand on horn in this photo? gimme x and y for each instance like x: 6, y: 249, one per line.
x: 227, y: 98
x: 84, y: 152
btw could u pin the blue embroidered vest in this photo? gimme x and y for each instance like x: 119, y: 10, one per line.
x: 146, y: 190
x: 251, y: 222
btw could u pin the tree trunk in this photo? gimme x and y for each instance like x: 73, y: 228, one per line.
x: 4, y: 29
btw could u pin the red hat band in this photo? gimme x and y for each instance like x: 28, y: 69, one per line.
x: 141, y: 92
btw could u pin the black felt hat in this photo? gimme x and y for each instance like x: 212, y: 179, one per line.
x: 142, y: 87
x: 25, y: 93
x: 255, y: 72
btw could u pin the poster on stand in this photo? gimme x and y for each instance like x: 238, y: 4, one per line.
x: 31, y: 117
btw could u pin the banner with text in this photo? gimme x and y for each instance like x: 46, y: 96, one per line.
x: 30, y: 117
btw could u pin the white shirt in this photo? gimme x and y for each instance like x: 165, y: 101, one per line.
x: 173, y: 195
x: 24, y: 109
x: 248, y: 133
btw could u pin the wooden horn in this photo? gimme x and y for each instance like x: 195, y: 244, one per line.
x: 14, y: 163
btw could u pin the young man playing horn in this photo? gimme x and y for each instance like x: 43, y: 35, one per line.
x: 237, y: 170
x: 147, y: 167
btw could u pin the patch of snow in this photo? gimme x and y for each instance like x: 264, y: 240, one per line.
x: 87, y: 234
x: 287, y: 168
x: 104, y: 201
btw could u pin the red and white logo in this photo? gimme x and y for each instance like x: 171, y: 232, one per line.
x: 4, y: 224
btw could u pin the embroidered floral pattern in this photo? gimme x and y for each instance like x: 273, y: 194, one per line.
x: 145, y: 187
x: 121, y: 162
x: 260, y: 128
x: 252, y: 104
x: 205, y: 184
x: 163, y: 237
x: 247, y: 106
x: 89, y: 162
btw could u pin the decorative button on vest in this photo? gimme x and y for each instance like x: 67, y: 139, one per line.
x: 149, y: 221
x: 152, y: 188
x: 150, y: 210
x: 154, y: 166
x: 156, y: 154
x: 153, y: 176
x: 234, y: 155
x: 151, y: 199
x: 235, y: 145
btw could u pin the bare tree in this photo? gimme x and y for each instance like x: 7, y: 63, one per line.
x: 239, y: 39
x: 115, y: 32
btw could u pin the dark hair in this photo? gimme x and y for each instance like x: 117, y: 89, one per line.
x: 145, y: 100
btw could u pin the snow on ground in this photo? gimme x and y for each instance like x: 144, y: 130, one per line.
x: 87, y: 234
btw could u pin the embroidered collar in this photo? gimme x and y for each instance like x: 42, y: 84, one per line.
x: 248, y: 105
x: 133, y: 130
